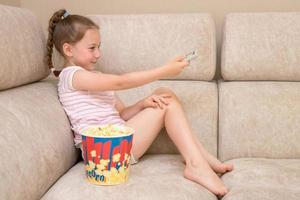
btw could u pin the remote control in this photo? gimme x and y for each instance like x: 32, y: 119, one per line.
x: 191, y: 56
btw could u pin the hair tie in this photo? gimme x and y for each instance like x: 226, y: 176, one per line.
x: 66, y: 14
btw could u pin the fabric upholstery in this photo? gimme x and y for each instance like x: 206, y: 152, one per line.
x: 22, y: 48
x: 154, y: 177
x: 200, y: 104
x: 35, y: 139
x: 259, y: 119
x: 264, y: 179
x: 261, y: 46
x: 256, y: 119
x: 139, y: 42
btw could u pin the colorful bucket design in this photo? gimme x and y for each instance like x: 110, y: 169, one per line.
x: 107, y: 159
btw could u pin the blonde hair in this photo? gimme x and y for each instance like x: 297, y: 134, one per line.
x: 65, y: 28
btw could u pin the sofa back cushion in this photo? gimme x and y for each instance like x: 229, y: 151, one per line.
x: 259, y: 119
x: 139, y: 42
x: 35, y: 139
x: 261, y: 46
x: 22, y: 48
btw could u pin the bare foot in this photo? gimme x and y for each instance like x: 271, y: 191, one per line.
x: 223, y: 167
x: 216, y: 165
x: 206, y: 177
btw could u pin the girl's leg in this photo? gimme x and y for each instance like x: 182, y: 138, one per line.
x: 147, y: 124
x: 173, y: 118
x: 215, y: 164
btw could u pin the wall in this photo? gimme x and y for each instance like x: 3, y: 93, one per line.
x: 16, y: 3
x: 218, y: 9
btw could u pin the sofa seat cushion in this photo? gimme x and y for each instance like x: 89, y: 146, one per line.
x: 154, y: 177
x: 264, y: 179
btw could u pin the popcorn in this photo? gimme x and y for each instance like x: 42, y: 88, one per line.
x: 107, y: 131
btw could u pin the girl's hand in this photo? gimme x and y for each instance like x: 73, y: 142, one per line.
x: 155, y: 101
x: 175, y: 66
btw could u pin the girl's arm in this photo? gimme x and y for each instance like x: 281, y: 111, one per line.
x: 153, y: 101
x: 86, y: 80
x: 127, y: 112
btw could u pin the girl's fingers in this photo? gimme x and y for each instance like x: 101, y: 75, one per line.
x: 160, y: 104
x: 157, y: 100
x: 164, y: 98
x: 164, y: 101
x: 154, y: 105
x: 160, y: 100
x: 151, y: 104
x: 179, y: 58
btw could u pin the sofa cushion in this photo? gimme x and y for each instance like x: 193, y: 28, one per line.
x: 265, y: 179
x: 261, y: 46
x: 200, y: 103
x: 139, y: 42
x: 22, y: 48
x: 154, y: 177
x: 259, y: 119
x: 36, y: 141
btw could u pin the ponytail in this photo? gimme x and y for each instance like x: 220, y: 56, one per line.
x: 57, y: 17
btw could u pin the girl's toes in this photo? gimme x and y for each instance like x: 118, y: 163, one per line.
x: 224, y: 167
x: 229, y: 167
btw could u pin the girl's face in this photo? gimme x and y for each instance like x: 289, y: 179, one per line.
x: 85, y: 52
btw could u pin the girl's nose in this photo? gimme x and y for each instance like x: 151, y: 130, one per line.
x: 97, y: 54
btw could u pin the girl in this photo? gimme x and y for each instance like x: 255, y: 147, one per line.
x: 88, y: 98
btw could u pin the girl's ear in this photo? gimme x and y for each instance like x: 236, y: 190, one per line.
x: 67, y: 49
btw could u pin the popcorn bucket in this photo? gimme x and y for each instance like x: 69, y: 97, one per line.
x: 106, y: 152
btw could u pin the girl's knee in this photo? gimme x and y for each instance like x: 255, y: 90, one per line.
x: 172, y: 99
x: 165, y: 90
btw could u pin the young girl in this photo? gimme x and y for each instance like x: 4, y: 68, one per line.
x: 88, y: 98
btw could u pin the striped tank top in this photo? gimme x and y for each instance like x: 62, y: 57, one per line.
x: 86, y: 108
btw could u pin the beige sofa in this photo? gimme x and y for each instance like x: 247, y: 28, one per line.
x: 253, y: 124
